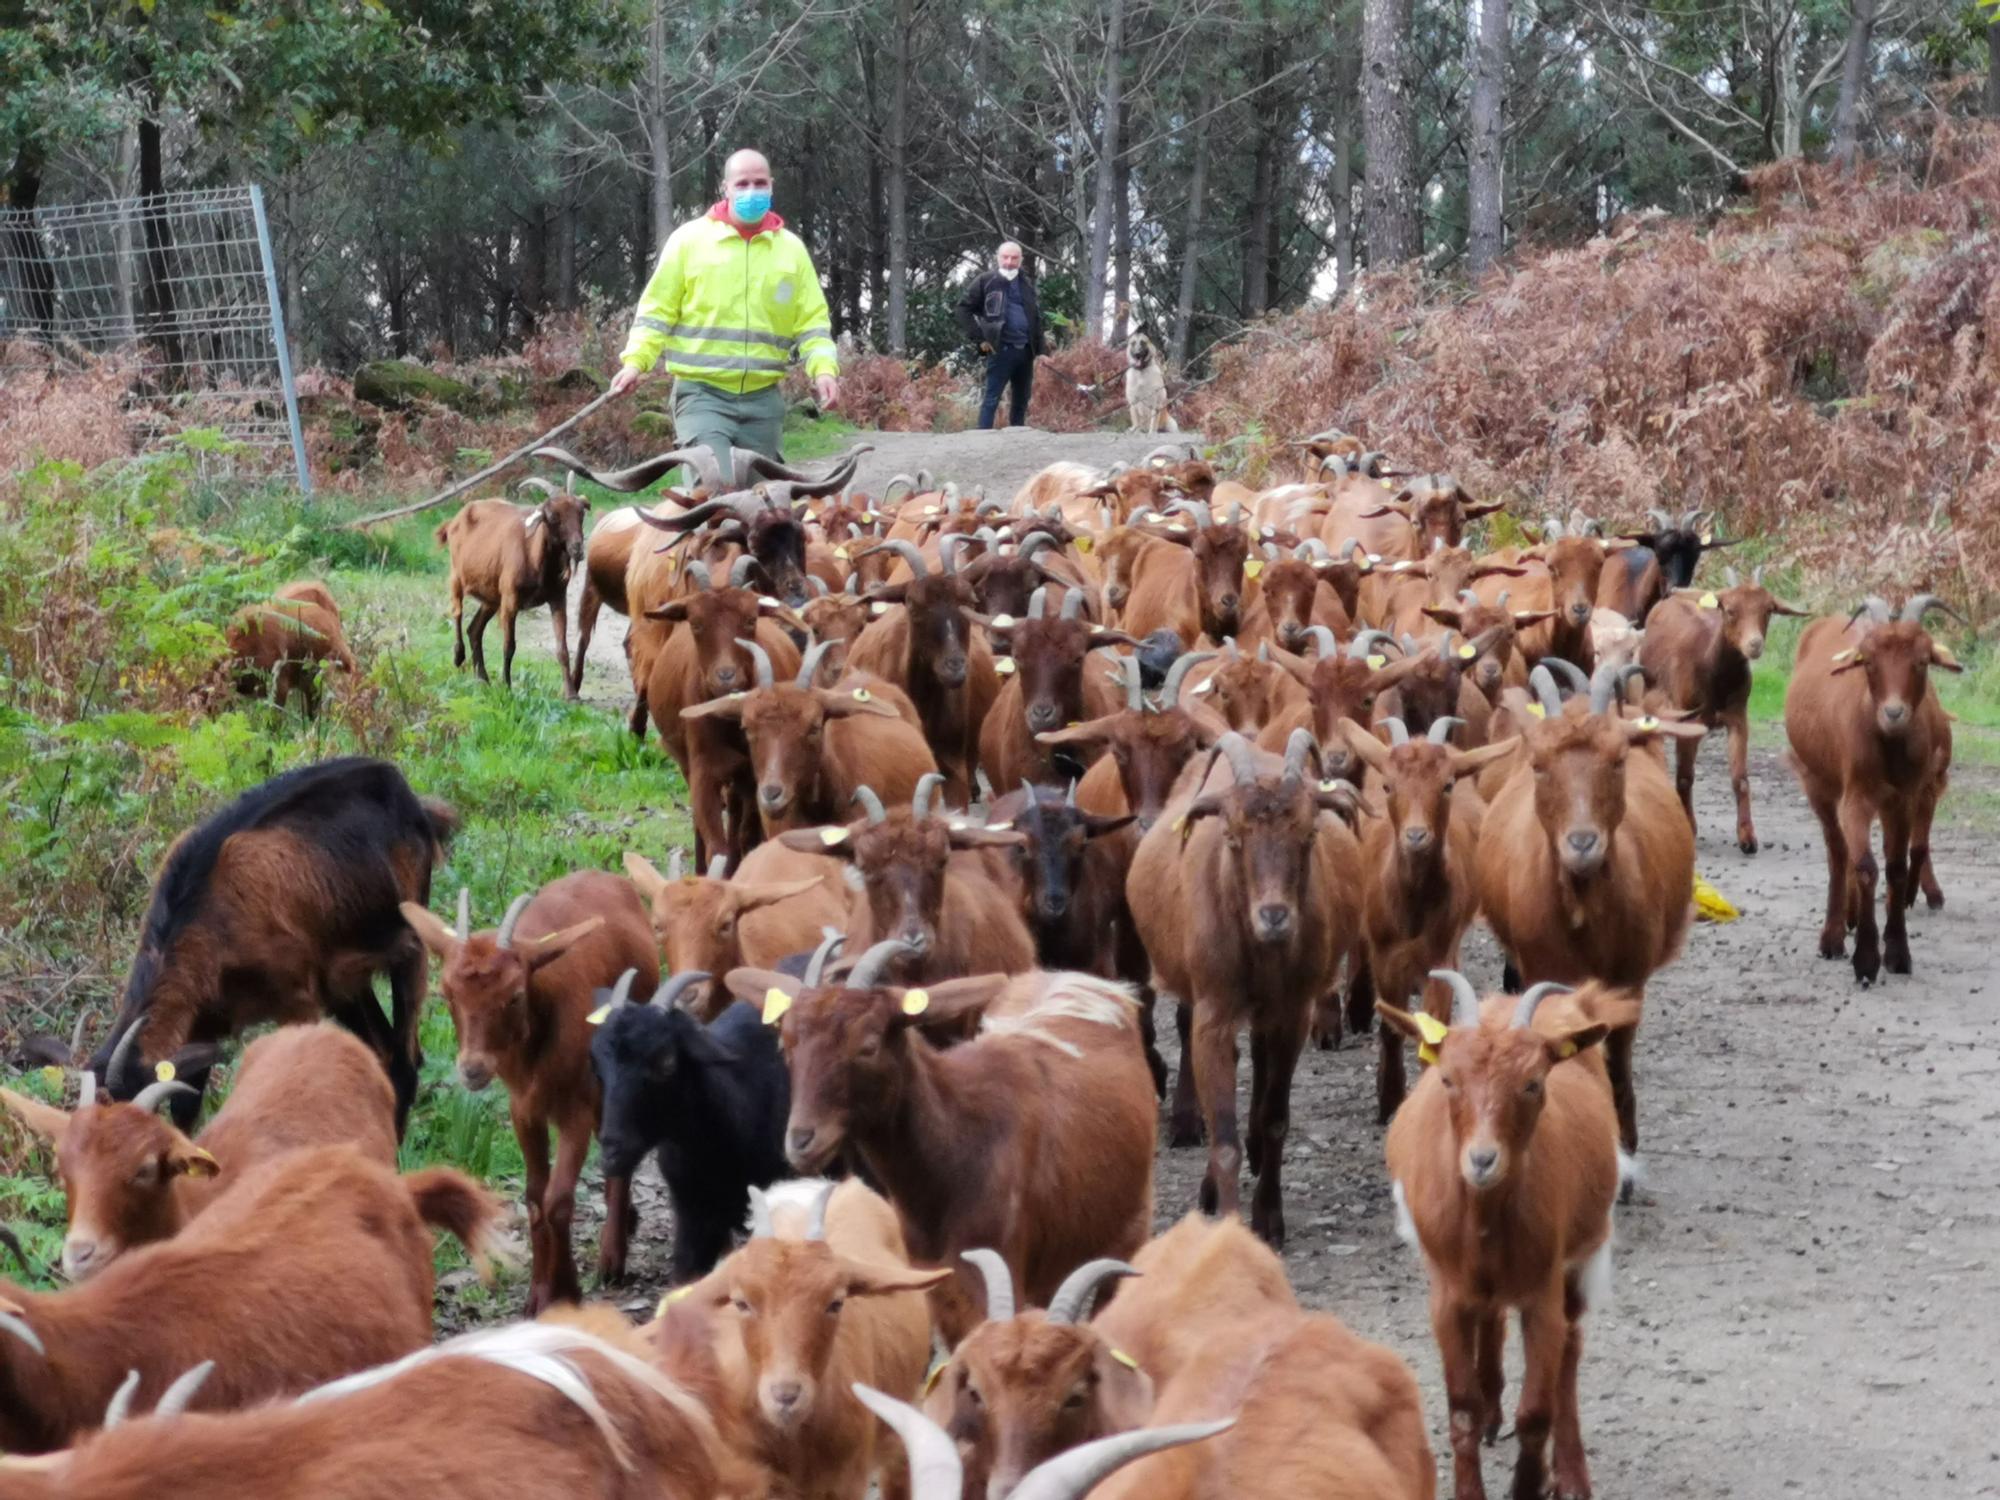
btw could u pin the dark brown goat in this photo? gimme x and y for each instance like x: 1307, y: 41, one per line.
x: 1195, y: 588
x: 1870, y: 740
x: 507, y: 559
x: 284, y: 644
x: 1054, y: 670
x: 1246, y: 903
x: 1697, y: 652
x: 520, y: 999
x: 945, y: 1133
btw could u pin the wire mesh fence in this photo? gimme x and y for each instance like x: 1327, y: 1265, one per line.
x: 183, y: 285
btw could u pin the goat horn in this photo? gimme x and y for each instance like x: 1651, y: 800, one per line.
x: 718, y: 868
x: 809, y: 663
x: 1731, y: 577
x: 1075, y: 1473
x: 1036, y: 541
x: 818, y: 585
x: 1116, y: 469
x: 870, y: 804
x: 948, y: 549
x: 698, y: 571
x: 180, y: 1395
x: 1543, y: 684
x: 806, y: 483
x: 920, y: 800
x: 1659, y: 520
x: 505, y: 937
x: 1072, y: 1298
x: 1524, y: 1013
x: 668, y: 995
x: 1466, y: 596
x: 1135, y: 688
x: 1297, y: 748
x: 936, y: 1472
x: 853, y: 588
x: 120, y: 1406
x: 984, y: 784
x: 1171, y: 451
x: 1505, y: 595
x: 1038, y: 603
x: 907, y: 551
x: 1464, y: 998
x: 674, y: 863
x: 739, y: 571
x: 999, y: 1283
x: 1608, y: 687
x: 1337, y: 462
x: 149, y: 1097
x: 816, y: 1216
x: 644, y: 474
x: 1203, y: 516
x: 120, y: 1054
x: 867, y: 970
x: 1323, y: 638
x: 1358, y: 648
x: 1399, y: 732
x: 1919, y: 605
x: 907, y: 481
x: 20, y: 1329
x: 1323, y: 437
x: 1692, y: 518
x: 1235, y: 513
x: 464, y: 913
x: 1441, y: 730
x: 1072, y: 605
x: 1186, y: 662
x: 536, y: 482
x: 621, y: 992
x: 1242, y: 763
x: 1569, y: 671
x: 760, y: 660
x: 86, y: 1088
x: 829, y: 944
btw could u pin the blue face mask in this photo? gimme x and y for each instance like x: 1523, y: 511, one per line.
x: 750, y: 204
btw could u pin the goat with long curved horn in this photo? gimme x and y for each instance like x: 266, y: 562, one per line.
x: 1919, y: 605
x: 870, y: 804
x: 1364, y: 642
x: 832, y: 940
x: 1441, y: 730
x: 760, y: 661
x: 999, y: 1283
x: 1071, y: 1303
x: 904, y: 549
x: 1571, y: 674
x: 740, y: 570
x: 869, y: 968
x: 1399, y: 732
x: 1298, y: 749
x: 1198, y: 509
x: 920, y: 799
x: 154, y: 1094
x: 1524, y: 1013
x: 644, y: 474
x: 668, y: 995
x: 1464, y: 998
x: 1542, y: 683
x: 504, y: 938
x: 808, y: 483
x: 1186, y: 662
x: 1608, y: 687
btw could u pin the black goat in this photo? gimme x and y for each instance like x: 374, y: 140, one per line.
x: 710, y: 1100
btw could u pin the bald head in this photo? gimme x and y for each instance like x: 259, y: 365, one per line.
x: 746, y: 168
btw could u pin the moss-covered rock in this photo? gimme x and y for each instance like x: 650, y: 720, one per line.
x: 653, y: 426
x: 577, y: 379
x: 398, y: 385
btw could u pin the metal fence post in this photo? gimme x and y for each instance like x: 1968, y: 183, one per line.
x: 278, y: 337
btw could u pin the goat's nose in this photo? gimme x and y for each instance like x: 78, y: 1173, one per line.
x: 1043, y: 716
x: 1579, y: 611
x: 1055, y: 903
x: 1291, y: 632
x: 725, y: 677
x: 785, y: 1393
x: 1274, y: 918
x: 1583, y: 840
x: 1482, y: 1160
x: 771, y: 794
x: 1894, y: 712
x: 78, y: 1256
x: 799, y: 1139
x: 1229, y: 601
x: 1417, y: 838
x: 1755, y: 648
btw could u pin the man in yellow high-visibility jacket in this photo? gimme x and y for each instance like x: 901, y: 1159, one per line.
x: 733, y: 298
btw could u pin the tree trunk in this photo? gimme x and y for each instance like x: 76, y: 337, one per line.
x: 125, y: 157
x: 1483, y: 166
x: 568, y: 211
x: 1993, y: 71
x: 1191, y: 241
x: 878, y: 213
x: 1347, y: 100
x: 1121, y: 253
x: 1853, y: 85
x: 658, y: 127
x: 156, y: 291
x: 22, y: 243
x: 1257, y: 227
x: 1108, y: 147
x: 898, y: 332
x: 1389, y: 135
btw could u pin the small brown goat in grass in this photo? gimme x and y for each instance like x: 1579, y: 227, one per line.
x: 1055, y: 676
x: 812, y: 747
x: 131, y: 1178
x: 507, y: 558
x: 1697, y: 652
x: 520, y: 998
x: 944, y: 1132
x: 803, y: 1311
x: 1869, y: 739
x: 1247, y: 903
x: 1208, y: 1327
x: 315, y: 1266
x: 937, y: 885
x: 1505, y: 1164
x: 1586, y: 861
x: 530, y: 1409
x: 284, y: 645
x: 1417, y: 863
x: 773, y: 907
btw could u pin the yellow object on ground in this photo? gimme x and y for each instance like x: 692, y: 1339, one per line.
x: 1710, y: 905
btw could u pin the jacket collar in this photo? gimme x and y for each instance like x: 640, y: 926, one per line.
x: 771, y: 223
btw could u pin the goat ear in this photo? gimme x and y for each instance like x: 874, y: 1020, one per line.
x: 45, y: 1120
x: 1572, y: 1042
x: 751, y: 897
x: 1496, y: 570
x: 1779, y: 607
x: 437, y: 937
x: 1941, y: 657
x: 888, y: 593
x: 1364, y: 743
x: 547, y: 950
x: 1400, y: 1021
x: 1446, y: 614
x: 676, y: 609
x: 755, y: 985
x: 848, y: 702
x: 1090, y: 732
x: 1096, y: 825
x: 1125, y: 1390
x: 1101, y: 637
x: 949, y: 999
x: 1466, y: 762
x: 881, y: 1280
x: 973, y: 836
x: 1474, y: 512
x: 730, y: 707
x: 1523, y: 618
x: 645, y: 876
x: 836, y: 840
x: 1847, y: 661
x: 1643, y: 728
x: 186, y: 1159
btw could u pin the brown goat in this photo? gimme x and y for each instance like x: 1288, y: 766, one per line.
x: 607, y: 561
x: 529, y: 1409
x: 1505, y: 1164
x: 508, y: 558
x: 776, y: 905
x: 1870, y: 740
x: 1209, y: 1327
x: 801, y: 1316
x: 931, y: 883
x: 1568, y: 589
x: 1697, y: 652
x: 520, y: 998
x: 1054, y: 671
x: 1296, y: 593
x: 1246, y: 904
x: 945, y: 1133
x: 1197, y: 587
x: 131, y: 1178
x: 285, y: 643
x: 319, y: 1256
x: 1417, y: 872
x: 1586, y: 862
x: 812, y: 747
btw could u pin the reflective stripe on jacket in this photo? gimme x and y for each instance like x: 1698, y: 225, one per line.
x: 730, y: 311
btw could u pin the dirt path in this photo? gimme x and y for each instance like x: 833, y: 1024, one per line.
x: 1807, y: 1300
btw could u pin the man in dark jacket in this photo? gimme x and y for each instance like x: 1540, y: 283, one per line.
x: 999, y: 313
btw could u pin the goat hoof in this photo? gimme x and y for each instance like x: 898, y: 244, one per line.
x: 1183, y: 1133
x: 1897, y: 961
x: 1748, y: 843
x: 1625, y: 1191
x: 1935, y: 903
x: 1832, y: 947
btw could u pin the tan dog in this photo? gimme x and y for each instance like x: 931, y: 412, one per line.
x: 1146, y: 387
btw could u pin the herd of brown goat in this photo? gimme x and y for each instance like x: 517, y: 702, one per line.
x: 973, y: 784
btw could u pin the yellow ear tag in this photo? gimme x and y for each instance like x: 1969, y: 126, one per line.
x: 53, y: 1076
x: 861, y: 695
x: 1646, y: 721
x: 1376, y: 660
x: 1385, y: 484
x: 1843, y: 655
x: 1252, y: 568
x: 1466, y: 651
x: 1709, y: 601
x: 1433, y: 1032
x: 164, y: 1071
x: 832, y: 836
x: 596, y: 1017
x: 1003, y: 622
x: 1084, y: 544
x: 1003, y: 664
x: 916, y: 1002
x: 869, y: 516
x: 1538, y: 711
x: 931, y: 1380
x: 776, y: 1003
x: 671, y: 1298
x: 1181, y: 826
x: 841, y: 553
x: 1364, y: 565
x: 1125, y: 1359
x: 878, y: 608
x: 1567, y: 1049
x: 1175, y: 526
